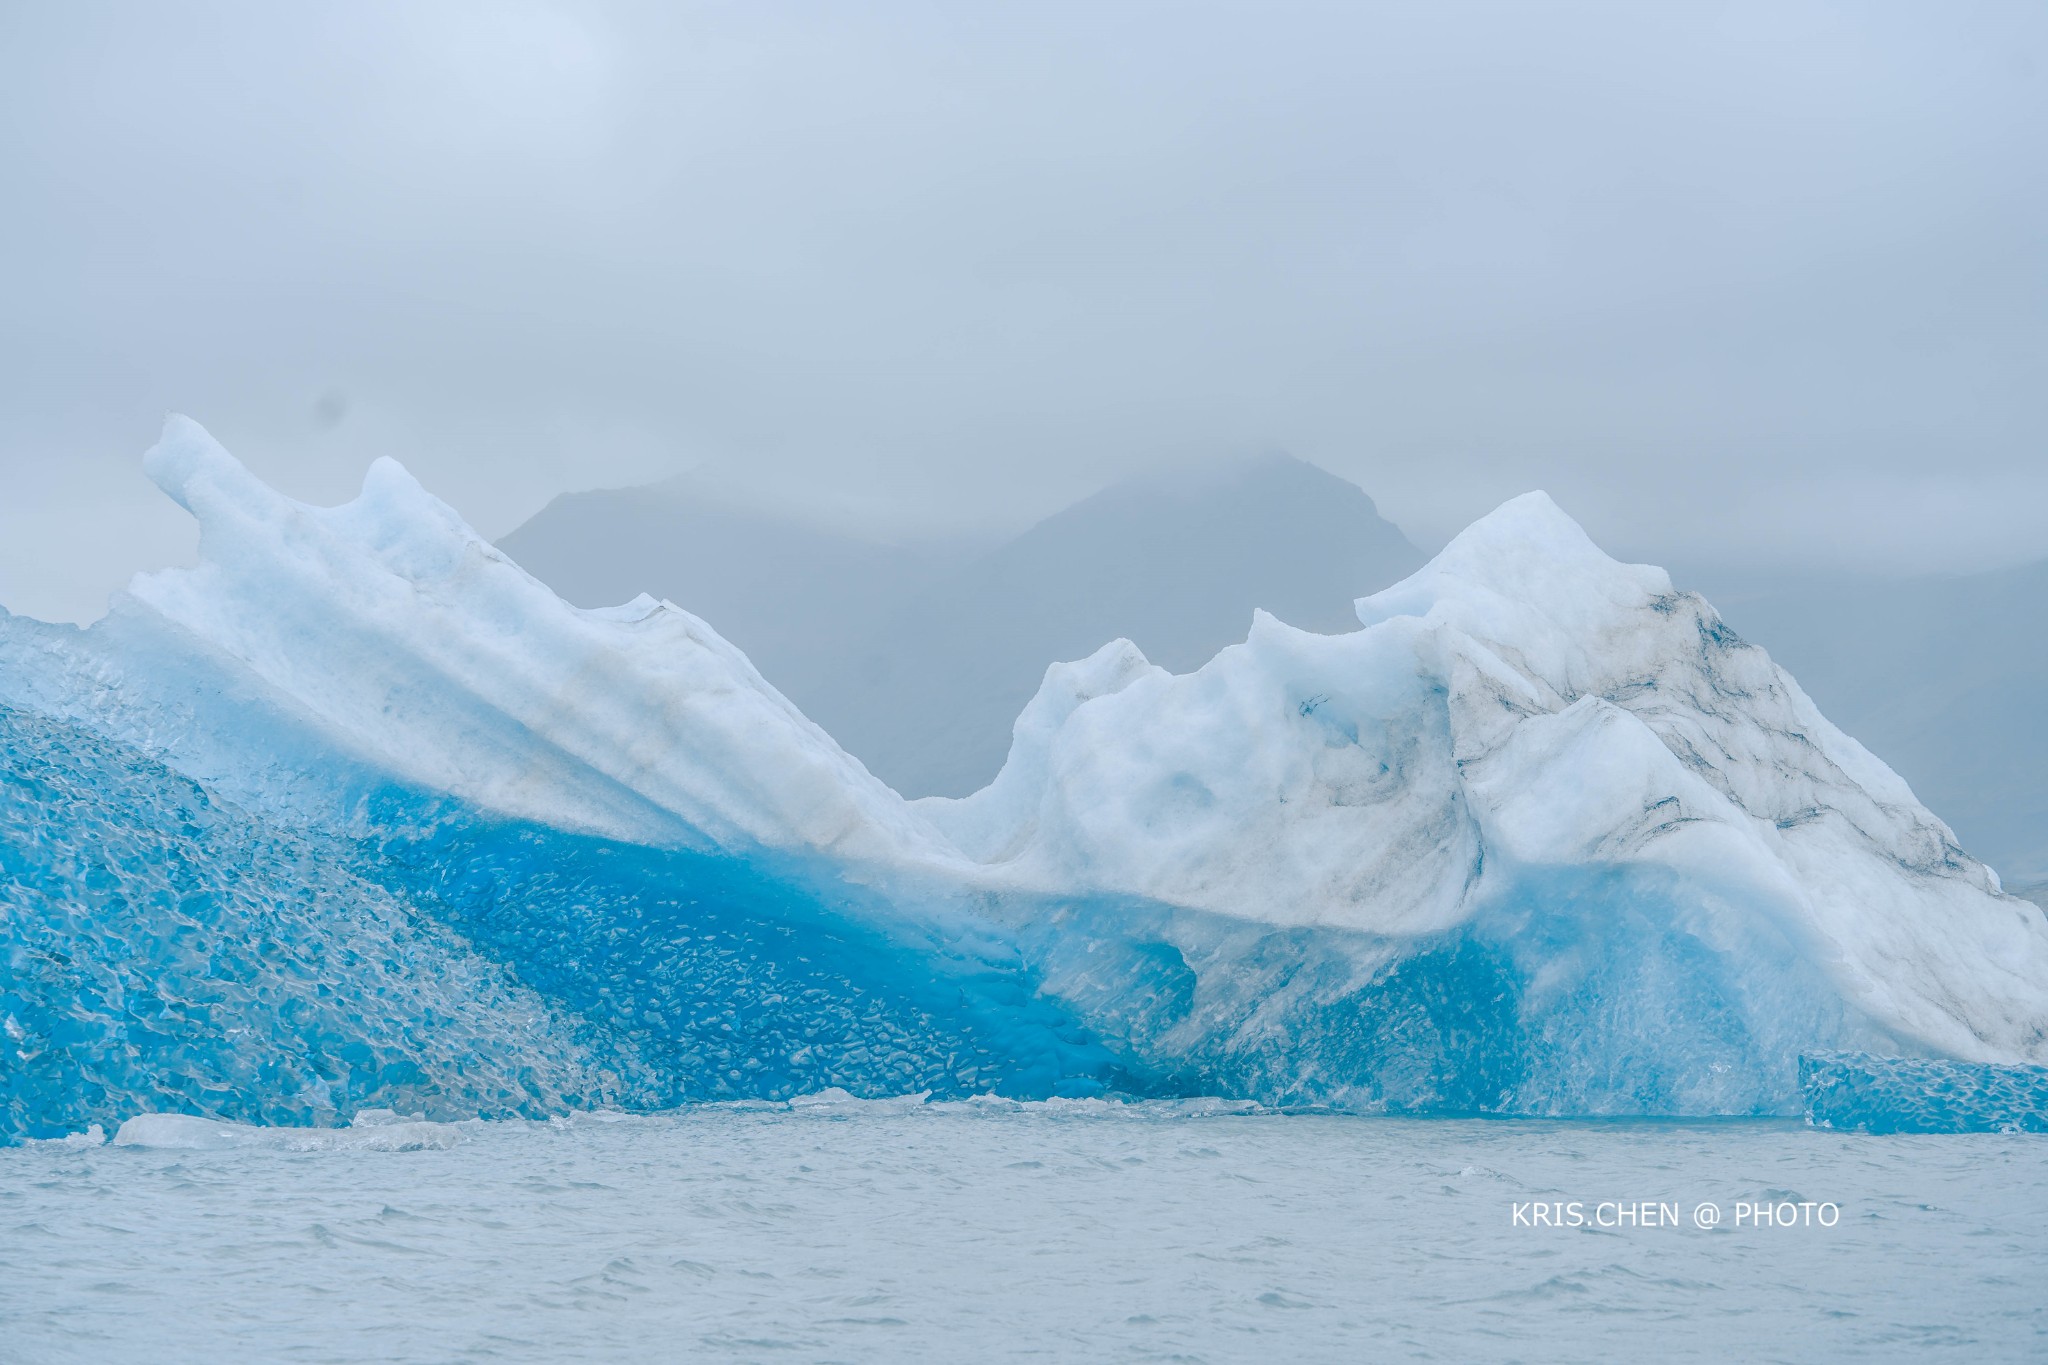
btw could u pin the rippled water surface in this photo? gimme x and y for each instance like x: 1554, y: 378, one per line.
x: 1062, y: 1231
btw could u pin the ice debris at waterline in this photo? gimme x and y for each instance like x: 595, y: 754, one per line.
x: 374, y: 1130
x: 1868, y: 1094
x: 1543, y: 838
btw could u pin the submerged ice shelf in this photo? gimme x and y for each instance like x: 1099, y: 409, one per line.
x: 1543, y: 837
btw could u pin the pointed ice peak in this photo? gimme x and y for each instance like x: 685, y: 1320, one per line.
x: 1533, y: 519
x: 1527, y: 552
x: 386, y: 480
x: 639, y: 609
x: 992, y: 824
x: 394, y: 523
x: 411, y: 532
x: 1528, y: 584
x: 186, y: 461
x: 1108, y: 670
x: 199, y: 474
x: 1521, y: 544
x: 411, y: 645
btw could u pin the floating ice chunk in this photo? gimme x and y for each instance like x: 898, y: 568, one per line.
x: 830, y: 1095
x: 834, y: 1099
x: 183, y: 1132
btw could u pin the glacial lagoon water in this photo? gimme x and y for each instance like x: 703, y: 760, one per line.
x: 1062, y: 1230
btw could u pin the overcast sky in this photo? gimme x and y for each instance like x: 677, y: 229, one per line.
x: 1734, y: 282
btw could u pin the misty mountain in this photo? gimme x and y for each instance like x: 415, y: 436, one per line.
x: 789, y: 592
x: 1946, y: 679
x: 1177, y: 566
x: 918, y: 662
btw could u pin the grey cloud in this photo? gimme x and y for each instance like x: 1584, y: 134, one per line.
x: 1757, y: 282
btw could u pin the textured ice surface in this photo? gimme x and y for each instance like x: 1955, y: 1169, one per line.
x: 1544, y: 837
x: 1589, y: 992
x: 163, y: 951
x: 722, y: 977
x: 1869, y: 1094
x: 406, y: 641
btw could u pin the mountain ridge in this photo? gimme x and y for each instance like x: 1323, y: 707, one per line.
x: 919, y: 661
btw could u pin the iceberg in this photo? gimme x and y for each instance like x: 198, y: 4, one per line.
x: 1543, y: 836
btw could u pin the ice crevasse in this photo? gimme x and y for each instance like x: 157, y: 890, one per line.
x: 1542, y: 837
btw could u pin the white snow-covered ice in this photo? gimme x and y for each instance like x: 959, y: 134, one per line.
x: 407, y: 642
x: 1522, y: 703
